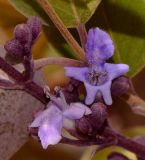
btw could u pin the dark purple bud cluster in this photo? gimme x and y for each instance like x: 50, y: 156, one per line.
x: 24, y: 37
x: 92, y: 124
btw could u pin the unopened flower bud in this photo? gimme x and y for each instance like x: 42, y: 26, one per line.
x: 117, y: 156
x: 120, y: 86
x: 23, y: 34
x: 98, y: 116
x: 14, y: 48
x: 83, y: 126
x: 34, y: 24
x: 90, y: 125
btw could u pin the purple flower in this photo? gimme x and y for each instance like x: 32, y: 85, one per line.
x: 57, y: 115
x: 98, y: 75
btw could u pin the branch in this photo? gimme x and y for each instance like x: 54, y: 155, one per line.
x: 82, y: 142
x: 117, y: 140
x: 82, y: 34
x: 12, y: 72
x: 29, y: 86
x: 29, y: 67
x: 132, y: 146
x: 62, y: 28
x: 38, y: 64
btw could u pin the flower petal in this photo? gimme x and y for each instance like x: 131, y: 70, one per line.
x: 99, y: 45
x: 106, y: 92
x: 76, y: 111
x: 78, y: 73
x: 46, y: 113
x: 116, y: 70
x: 50, y: 129
x: 50, y: 133
x: 91, y: 93
x: 68, y: 124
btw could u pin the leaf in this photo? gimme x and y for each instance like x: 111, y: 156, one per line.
x: 30, y: 8
x: 125, y: 22
x: 16, y: 112
x: 64, y: 8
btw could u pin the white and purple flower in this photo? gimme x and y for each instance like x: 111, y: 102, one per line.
x: 58, y: 115
x: 98, y: 75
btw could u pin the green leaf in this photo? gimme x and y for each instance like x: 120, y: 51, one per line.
x: 66, y: 10
x: 84, y: 9
x: 30, y: 8
x: 125, y: 22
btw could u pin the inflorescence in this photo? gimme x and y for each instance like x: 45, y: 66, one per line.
x: 85, y: 119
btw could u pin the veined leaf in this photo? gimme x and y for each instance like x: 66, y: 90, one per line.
x: 30, y: 8
x: 68, y: 10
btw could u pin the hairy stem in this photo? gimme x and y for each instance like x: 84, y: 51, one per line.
x: 82, y: 142
x: 12, y: 72
x: 36, y: 91
x: 38, y: 64
x: 82, y: 34
x: 62, y: 28
x: 80, y: 27
x: 28, y: 64
x: 132, y: 146
x: 118, y: 140
x: 29, y: 86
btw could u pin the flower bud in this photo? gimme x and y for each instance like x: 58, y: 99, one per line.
x: 117, y: 156
x: 14, y: 48
x: 23, y: 34
x: 98, y: 116
x: 83, y: 126
x: 90, y: 125
x: 120, y: 86
x: 34, y: 24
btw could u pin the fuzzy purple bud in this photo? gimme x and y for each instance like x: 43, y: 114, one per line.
x: 84, y: 127
x: 34, y: 24
x: 98, y: 116
x: 120, y: 86
x: 23, y: 34
x: 91, y: 124
x: 117, y: 156
x: 14, y: 48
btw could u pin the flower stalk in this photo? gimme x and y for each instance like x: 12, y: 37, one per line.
x: 62, y: 28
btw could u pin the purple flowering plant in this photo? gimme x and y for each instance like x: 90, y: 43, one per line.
x: 84, y: 119
x: 98, y: 76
